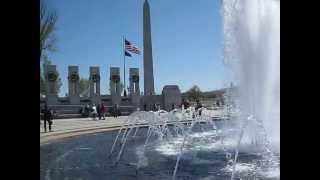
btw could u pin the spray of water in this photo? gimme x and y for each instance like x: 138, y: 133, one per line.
x: 252, y: 50
x: 181, y: 122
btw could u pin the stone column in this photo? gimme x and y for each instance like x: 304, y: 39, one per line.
x: 134, y: 86
x: 94, y: 84
x: 171, y: 96
x: 74, y: 85
x: 115, y: 88
x: 51, y: 79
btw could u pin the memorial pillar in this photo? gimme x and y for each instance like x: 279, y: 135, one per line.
x: 134, y: 86
x: 74, y: 85
x: 51, y: 77
x: 94, y: 84
x: 115, y: 87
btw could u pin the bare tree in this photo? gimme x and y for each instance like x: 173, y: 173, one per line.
x: 194, y: 93
x: 48, y: 21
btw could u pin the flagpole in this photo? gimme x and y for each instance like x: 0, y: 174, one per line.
x: 124, y: 67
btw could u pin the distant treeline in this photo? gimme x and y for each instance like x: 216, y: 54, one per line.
x: 195, y: 93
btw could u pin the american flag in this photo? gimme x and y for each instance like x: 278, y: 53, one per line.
x: 131, y: 48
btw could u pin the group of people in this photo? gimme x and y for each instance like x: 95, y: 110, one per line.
x: 185, y: 105
x: 48, y: 115
x: 97, y: 111
x: 115, y: 111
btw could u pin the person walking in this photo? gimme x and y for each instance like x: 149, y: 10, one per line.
x: 115, y: 110
x: 185, y: 104
x: 118, y: 110
x: 182, y: 104
x: 98, y: 111
x: 172, y: 106
x: 94, y: 112
x: 87, y: 110
x: 46, y: 117
x: 51, y: 116
x: 103, y: 111
x: 40, y: 115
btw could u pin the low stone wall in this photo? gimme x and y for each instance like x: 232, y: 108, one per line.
x: 147, y: 102
x: 74, y: 111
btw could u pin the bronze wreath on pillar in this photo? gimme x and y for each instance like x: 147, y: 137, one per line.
x: 135, y: 78
x: 95, y: 77
x: 74, y: 77
x: 115, y: 78
x: 52, y: 76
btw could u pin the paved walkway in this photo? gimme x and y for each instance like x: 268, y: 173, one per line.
x: 63, y: 128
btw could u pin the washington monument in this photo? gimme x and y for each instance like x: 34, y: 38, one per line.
x: 147, y: 51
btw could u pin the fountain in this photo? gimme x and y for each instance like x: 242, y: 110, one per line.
x: 252, y: 43
x: 252, y: 49
x: 240, y: 142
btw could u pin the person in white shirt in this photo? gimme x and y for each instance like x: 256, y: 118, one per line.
x: 94, y: 112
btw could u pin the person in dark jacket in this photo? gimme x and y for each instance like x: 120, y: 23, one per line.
x: 118, y: 111
x: 98, y: 111
x: 46, y: 117
x: 199, y: 107
x: 86, y: 110
x: 184, y: 104
x: 51, y: 116
x: 103, y: 111
x: 115, y: 110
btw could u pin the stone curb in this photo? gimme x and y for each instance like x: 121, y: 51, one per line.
x: 54, y: 137
x: 59, y: 136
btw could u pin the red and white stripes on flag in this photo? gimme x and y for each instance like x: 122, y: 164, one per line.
x: 131, y: 48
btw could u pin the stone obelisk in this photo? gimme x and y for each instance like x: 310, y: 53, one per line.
x: 147, y: 51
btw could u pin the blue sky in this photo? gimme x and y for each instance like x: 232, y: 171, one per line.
x: 186, y: 36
